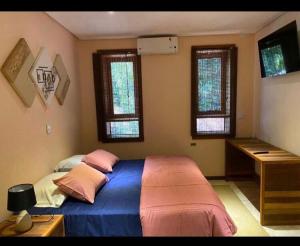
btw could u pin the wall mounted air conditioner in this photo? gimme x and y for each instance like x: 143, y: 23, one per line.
x: 157, y: 45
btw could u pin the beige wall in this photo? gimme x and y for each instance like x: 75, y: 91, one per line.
x: 166, y: 101
x: 277, y: 99
x: 27, y: 152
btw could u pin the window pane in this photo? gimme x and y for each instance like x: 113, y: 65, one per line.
x: 213, y: 125
x: 209, y: 85
x: 273, y: 61
x: 123, y: 87
x: 123, y: 129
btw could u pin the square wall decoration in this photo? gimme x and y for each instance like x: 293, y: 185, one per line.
x: 44, y: 76
x: 64, y: 82
x: 16, y: 68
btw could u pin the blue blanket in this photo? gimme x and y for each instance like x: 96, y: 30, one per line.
x: 116, y: 211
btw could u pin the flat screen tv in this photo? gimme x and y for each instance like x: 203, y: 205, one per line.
x: 279, y: 52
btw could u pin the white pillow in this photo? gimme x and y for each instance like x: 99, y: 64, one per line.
x: 47, y: 193
x: 67, y: 164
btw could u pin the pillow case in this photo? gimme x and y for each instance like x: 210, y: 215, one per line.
x: 101, y: 160
x: 67, y: 164
x: 47, y: 193
x: 82, y: 182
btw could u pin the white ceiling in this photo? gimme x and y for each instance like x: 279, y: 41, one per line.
x: 94, y: 25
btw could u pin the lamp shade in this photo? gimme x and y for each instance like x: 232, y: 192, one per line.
x: 20, y: 197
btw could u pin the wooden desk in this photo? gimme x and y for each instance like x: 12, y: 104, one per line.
x: 279, y: 178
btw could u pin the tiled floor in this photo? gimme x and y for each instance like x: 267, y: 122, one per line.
x: 245, y: 189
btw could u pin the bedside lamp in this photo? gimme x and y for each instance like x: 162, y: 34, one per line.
x: 20, y: 198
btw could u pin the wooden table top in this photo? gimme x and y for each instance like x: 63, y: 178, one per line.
x: 43, y: 226
x: 275, y: 155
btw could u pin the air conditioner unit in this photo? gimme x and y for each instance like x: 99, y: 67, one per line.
x: 157, y: 45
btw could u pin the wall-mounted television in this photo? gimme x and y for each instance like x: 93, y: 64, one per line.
x: 279, y: 51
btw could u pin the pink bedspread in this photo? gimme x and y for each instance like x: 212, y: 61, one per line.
x: 177, y: 200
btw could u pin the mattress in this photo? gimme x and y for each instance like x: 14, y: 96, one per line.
x: 177, y: 200
x: 159, y: 196
x: 115, y: 211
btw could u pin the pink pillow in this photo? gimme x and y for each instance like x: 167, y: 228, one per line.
x: 82, y: 182
x: 101, y: 160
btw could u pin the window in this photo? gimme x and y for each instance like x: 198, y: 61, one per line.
x: 118, y: 91
x: 213, y: 91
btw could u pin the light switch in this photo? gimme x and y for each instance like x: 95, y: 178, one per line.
x: 48, y: 129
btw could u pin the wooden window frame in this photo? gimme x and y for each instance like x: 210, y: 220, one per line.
x: 194, y: 93
x: 100, y: 100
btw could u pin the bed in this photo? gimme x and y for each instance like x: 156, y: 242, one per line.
x: 159, y: 196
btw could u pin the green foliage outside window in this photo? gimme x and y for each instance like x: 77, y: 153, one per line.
x: 123, y: 99
x: 209, y: 86
x: 124, y: 129
x: 123, y: 87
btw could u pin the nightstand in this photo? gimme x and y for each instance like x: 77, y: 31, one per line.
x: 43, y: 226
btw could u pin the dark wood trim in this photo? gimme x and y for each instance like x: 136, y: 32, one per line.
x: 213, y: 116
x: 194, y: 91
x: 213, y: 47
x: 117, y: 51
x: 211, y: 136
x: 140, y: 88
x: 233, y: 84
x: 121, y: 140
x: 100, y: 100
x: 239, y: 178
x: 215, y: 177
x: 110, y: 104
x: 233, y: 89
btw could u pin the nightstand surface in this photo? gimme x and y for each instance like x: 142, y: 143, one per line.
x: 41, y: 227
